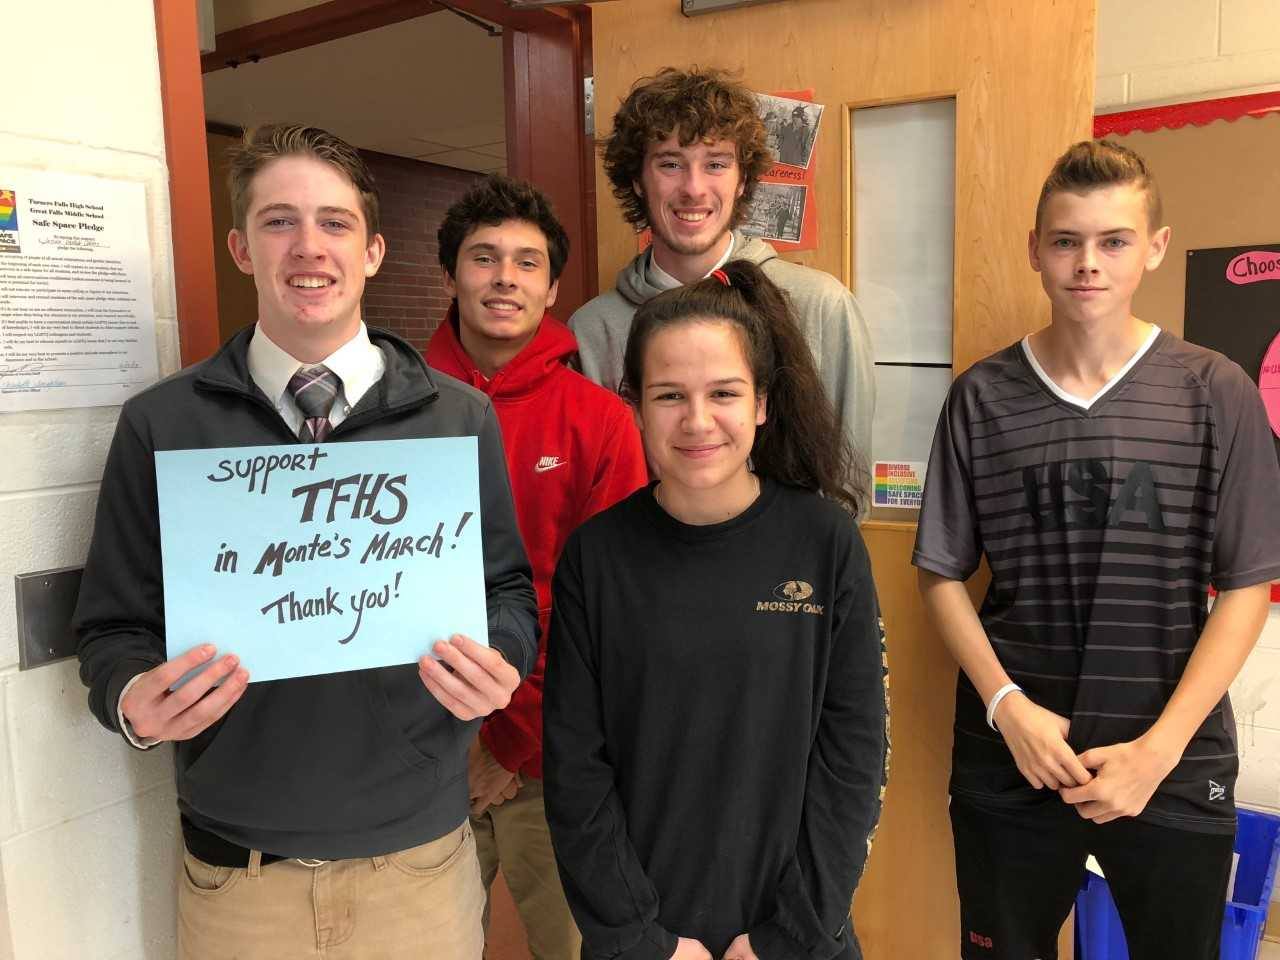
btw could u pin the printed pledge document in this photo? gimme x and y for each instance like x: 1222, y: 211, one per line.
x: 77, y: 320
x: 319, y: 558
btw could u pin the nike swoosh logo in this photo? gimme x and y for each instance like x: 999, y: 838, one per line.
x: 544, y: 467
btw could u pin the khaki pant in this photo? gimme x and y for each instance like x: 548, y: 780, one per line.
x: 425, y: 902
x: 515, y: 836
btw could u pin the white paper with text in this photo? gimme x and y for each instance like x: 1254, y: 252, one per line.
x: 77, y: 317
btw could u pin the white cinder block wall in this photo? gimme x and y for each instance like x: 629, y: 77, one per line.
x: 1256, y: 698
x: 1160, y: 51
x: 1168, y: 51
x: 87, y: 832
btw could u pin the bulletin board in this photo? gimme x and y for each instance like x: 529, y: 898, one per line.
x: 1233, y: 305
x: 1218, y: 183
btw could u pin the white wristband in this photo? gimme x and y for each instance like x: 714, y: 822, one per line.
x: 1000, y: 694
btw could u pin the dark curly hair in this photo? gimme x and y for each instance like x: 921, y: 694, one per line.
x: 272, y: 141
x: 800, y: 442
x: 493, y: 200
x: 695, y: 105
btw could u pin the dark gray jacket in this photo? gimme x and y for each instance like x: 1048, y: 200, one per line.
x: 339, y: 765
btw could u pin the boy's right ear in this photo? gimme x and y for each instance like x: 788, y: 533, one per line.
x: 450, y: 287
x: 1033, y: 250
x: 1158, y: 247
x: 238, y: 244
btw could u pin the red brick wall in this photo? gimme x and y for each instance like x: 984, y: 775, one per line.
x: 407, y: 295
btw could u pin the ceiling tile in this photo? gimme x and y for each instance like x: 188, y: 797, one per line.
x: 464, y: 160
x: 498, y: 149
x: 375, y: 89
x: 424, y: 147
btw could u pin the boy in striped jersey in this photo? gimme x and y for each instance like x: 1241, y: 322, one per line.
x: 1109, y: 472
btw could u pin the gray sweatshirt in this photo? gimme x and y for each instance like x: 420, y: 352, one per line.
x: 827, y: 313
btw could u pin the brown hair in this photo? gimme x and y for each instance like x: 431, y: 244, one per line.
x: 800, y: 442
x: 1092, y: 164
x: 272, y: 141
x: 695, y: 105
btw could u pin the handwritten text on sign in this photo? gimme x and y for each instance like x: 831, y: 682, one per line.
x: 322, y: 558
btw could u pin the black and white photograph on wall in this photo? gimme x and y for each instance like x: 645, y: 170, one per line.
x: 777, y: 212
x: 792, y: 126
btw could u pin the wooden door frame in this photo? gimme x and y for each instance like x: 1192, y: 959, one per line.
x: 187, y: 159
x: 545, y: 51
x: 549, y: 66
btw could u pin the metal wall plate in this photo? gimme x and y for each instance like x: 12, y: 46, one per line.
x: 46, y: 603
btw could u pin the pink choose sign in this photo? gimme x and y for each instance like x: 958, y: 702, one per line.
x: 1269, y: 383
x: 1253, y: 266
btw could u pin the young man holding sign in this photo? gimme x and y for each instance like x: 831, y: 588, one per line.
x: 572, y: 450
x: 324, y: 813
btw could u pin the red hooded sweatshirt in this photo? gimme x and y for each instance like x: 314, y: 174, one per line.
x: 572, y: 450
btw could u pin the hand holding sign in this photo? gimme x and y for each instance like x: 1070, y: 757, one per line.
x: 155, y: 711
x: 469, y: 680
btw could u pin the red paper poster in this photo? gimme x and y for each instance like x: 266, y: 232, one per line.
x: 784, y: 208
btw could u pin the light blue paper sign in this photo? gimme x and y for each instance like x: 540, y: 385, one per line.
x: 309, y: 559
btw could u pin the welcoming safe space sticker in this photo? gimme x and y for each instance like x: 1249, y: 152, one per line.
x: 899, y: 484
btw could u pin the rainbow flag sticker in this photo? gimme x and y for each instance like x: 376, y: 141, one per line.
x: 899, y: 484
x: 9, y: 221
x: 8, y: 210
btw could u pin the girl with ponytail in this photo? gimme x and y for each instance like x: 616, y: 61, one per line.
x: 716, y: 723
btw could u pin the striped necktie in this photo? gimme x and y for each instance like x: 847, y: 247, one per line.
x: 314, y: 389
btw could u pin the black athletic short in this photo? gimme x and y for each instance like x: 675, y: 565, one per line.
x: 1019, y: 870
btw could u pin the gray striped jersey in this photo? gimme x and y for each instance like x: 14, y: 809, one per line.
x: 1103, y: 528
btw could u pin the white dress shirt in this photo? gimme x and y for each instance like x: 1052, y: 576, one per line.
x: 358, y: 364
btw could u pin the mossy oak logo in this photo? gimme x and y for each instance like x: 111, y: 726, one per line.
x: 791, y: 595
x: 793, y: 590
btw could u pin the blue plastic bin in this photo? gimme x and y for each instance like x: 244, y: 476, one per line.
x: 1099, y: 935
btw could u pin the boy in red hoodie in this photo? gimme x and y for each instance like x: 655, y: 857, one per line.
x: 572, y: 449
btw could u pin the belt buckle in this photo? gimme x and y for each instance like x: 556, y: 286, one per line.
x: 313, y: 864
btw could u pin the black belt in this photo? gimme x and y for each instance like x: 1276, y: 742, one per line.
x: 220, y: 852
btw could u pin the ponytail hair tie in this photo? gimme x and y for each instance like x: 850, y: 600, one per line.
x: 722, y: 277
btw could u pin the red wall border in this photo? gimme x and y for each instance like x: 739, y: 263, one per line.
x: 1176, y: 115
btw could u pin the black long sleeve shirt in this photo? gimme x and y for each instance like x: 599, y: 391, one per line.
x: 716, y: 735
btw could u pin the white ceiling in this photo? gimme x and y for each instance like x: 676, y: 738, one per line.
x: 231, y: 14
x: 429, y: 88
